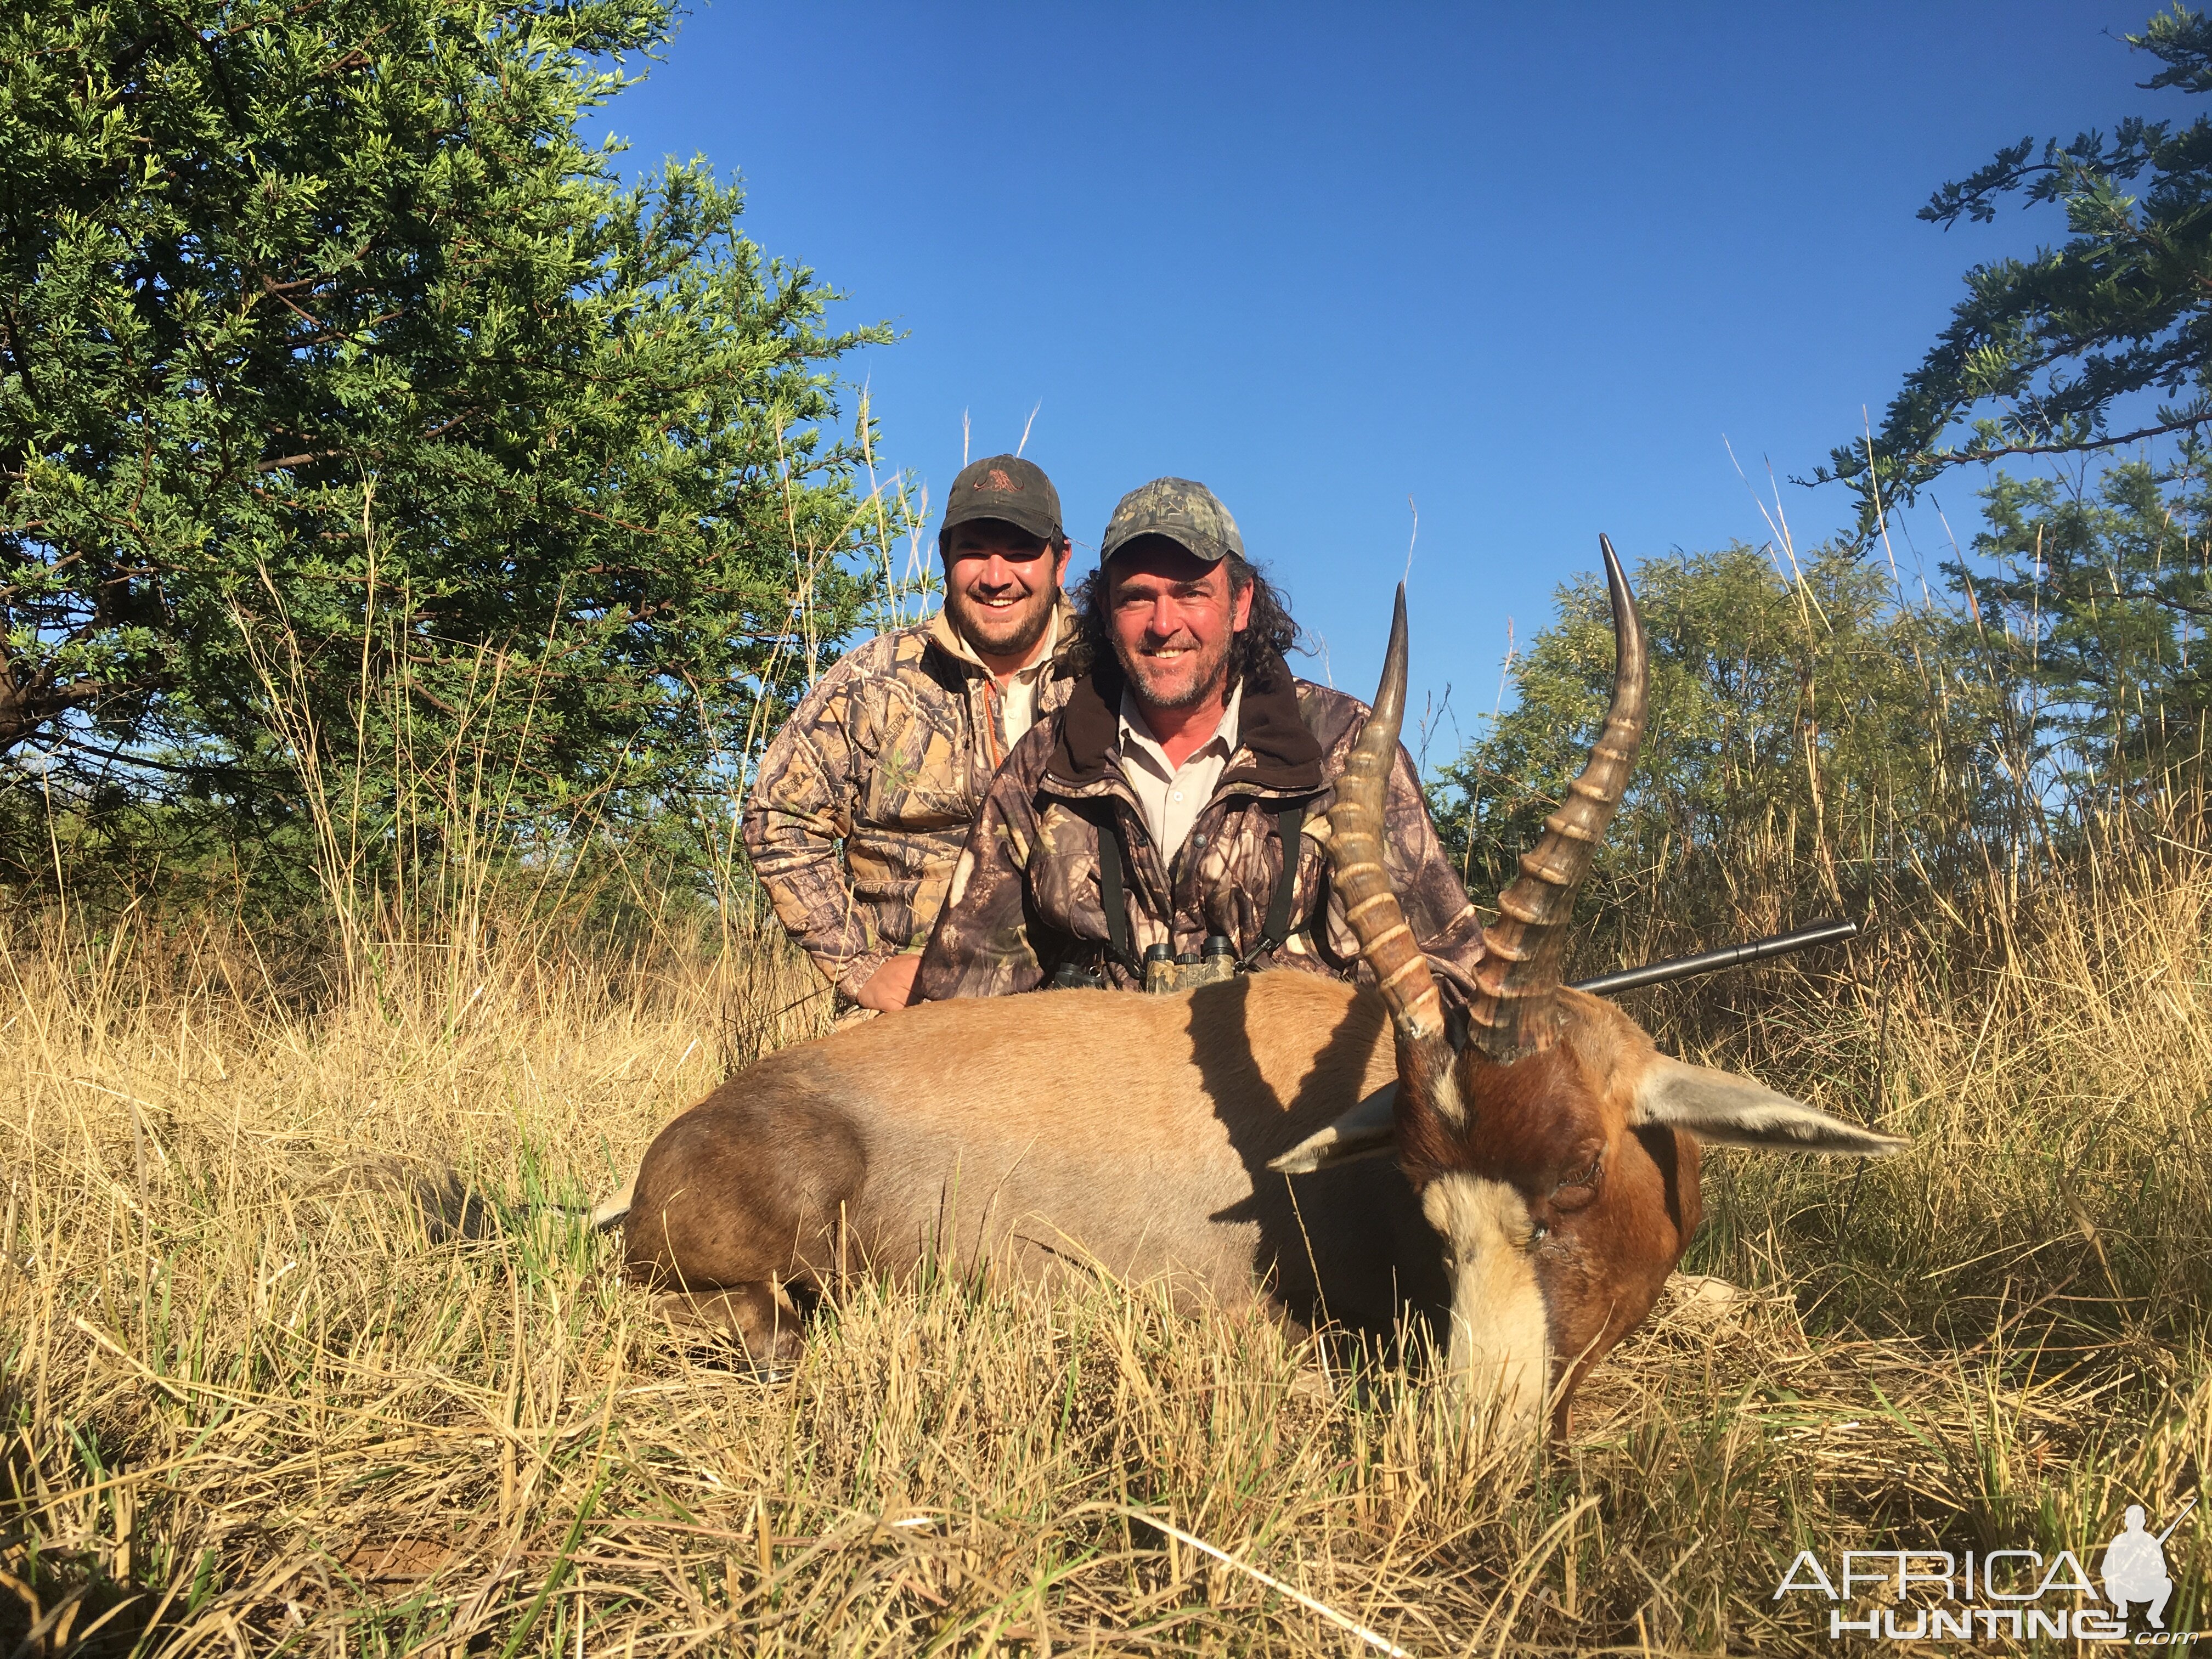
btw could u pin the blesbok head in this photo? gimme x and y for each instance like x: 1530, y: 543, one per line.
x: 1554, y: 1148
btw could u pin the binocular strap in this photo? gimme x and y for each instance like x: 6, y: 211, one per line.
x: 1113, y: 887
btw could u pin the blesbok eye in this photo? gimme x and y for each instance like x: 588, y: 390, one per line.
x: 1579, y: 1186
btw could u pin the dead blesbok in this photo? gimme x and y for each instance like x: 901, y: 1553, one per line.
x: 1544, y: 1185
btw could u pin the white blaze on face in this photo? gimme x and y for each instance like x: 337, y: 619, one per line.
x: 1499, y: 1336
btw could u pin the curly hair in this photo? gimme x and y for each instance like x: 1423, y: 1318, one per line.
x: 1270, y: 631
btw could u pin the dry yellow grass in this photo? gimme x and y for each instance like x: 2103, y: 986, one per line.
x: 268, y: 1384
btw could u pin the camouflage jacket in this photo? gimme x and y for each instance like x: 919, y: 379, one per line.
x: 1025, y: 897
x: 889, y: 755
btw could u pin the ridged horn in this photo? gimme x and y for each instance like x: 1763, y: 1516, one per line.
x: 1514, y: 1009
x: 1355, y: 856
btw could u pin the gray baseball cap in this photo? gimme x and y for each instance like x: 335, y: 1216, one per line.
x: 1186, y: 513
x: 1005, y: 487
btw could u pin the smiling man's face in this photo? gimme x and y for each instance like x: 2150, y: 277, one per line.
x: 1000, y: 583
x: 1173, y: 616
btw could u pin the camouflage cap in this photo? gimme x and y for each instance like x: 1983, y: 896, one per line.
x: 1188, y: 514
x: 1007, y: 488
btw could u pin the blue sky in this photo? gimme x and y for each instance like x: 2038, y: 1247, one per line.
x: 1528, y: 266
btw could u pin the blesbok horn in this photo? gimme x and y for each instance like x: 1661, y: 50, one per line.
x: 1356, y: 832
x: 1514, y: 1008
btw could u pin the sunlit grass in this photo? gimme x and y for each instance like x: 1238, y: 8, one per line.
x: 305, y: 1344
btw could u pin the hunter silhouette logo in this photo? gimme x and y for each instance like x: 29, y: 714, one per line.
x: 2135, y: 1565
x: 2021, y: 1594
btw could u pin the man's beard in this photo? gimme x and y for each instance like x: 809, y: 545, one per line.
x: 973, y: 622
x: 1208, y: 679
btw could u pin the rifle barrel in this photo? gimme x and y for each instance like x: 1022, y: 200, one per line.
x: 2178, y: 1519
x: 1733, y: 955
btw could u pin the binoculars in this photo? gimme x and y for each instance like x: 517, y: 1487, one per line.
x: 1165, y: 972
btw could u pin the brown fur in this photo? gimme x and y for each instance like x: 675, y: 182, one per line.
x: 1138, y: 1147
x: 799, y: 1164
x: 1609, y: 1244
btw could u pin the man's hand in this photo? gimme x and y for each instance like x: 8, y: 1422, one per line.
x: 891, y: 985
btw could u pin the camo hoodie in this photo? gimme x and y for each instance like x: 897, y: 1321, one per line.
x: 1025, y: 897
x: 889, y: 754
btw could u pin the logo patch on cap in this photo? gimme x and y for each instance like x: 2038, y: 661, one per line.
x: 998, y: 483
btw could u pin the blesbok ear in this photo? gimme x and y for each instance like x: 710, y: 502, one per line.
x: 1368, y: 1130
x: 1723, y: 1109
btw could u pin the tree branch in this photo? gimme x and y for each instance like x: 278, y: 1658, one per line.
x: 1958, y: 457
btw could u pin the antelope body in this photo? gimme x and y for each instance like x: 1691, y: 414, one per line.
x: 1545, y: 1176
x: 1136, y: 1145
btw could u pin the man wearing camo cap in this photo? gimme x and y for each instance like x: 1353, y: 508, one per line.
x: 864, y: 801
x: 1154, y: 808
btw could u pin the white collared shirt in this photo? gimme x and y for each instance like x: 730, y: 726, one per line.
x: 1171, y: 797
x: 1016, y: 701
x: 1018, y: 697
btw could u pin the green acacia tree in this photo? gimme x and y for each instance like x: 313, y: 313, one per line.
x: 2049, y: 345
x: 2090, y: 599
x: 1810, y: 741
x: 353, y: 408
x: 2094, y: 598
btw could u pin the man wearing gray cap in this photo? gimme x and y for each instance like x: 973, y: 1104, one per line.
x: 864, y: 801
x: 1149, y: 817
